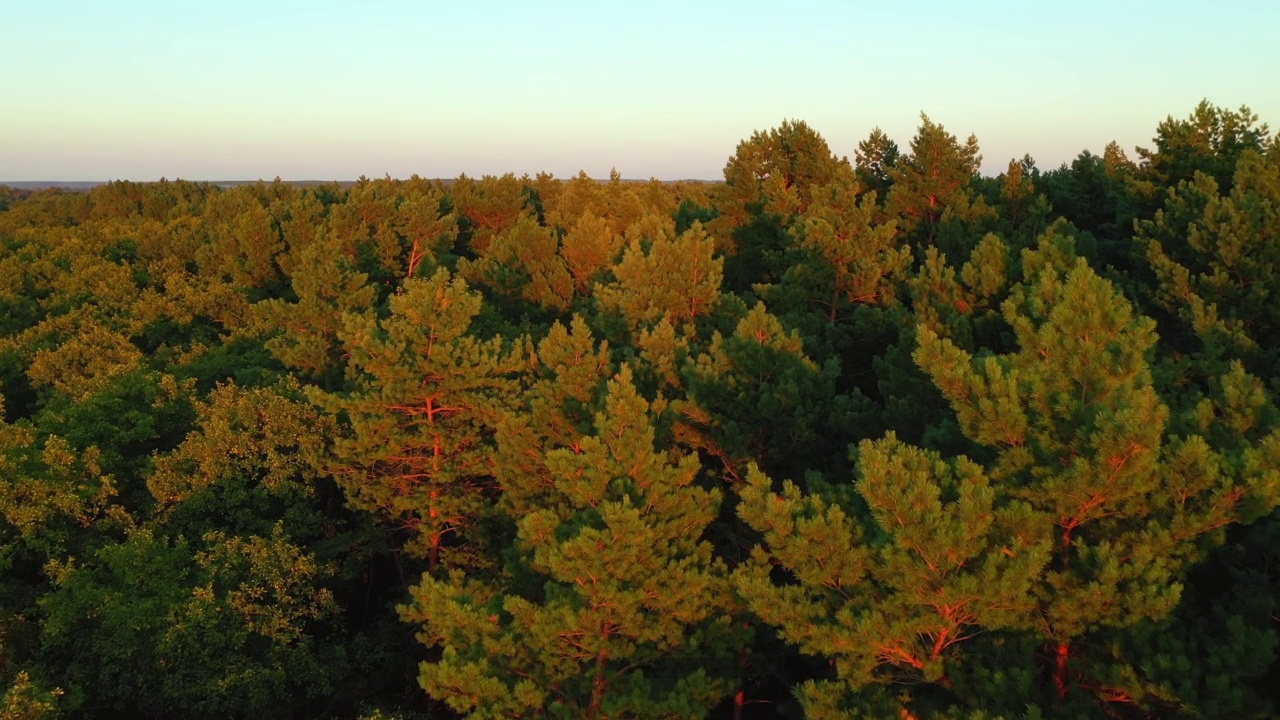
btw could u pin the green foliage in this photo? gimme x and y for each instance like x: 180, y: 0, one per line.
x: 1210, y: 141
x: 1019, y: 208
x: 251, y: 461
x: 754, y: 396
x: 557, y: 411
x: 664, y: 276
x: 1217, y: 260
x: 306, y: 331
x: 776, y: 171
x: 227, y: 628
x: 391, y: 230
x: 423, y: 401
x: 244, y: 240
x: 522, y: 265
x: 1078, y: 433
x: 630, y: 619
x: 251, y: 431
x: 589, y: 246
x: 849, y: 258
x: 49, y: 492
x: 944, y: 557
x: 769, y: 181
x: 486, y: 207
x: 932, y: 180
x: 875, y: 158
x: 1093, y: 193
x: 133, y: 416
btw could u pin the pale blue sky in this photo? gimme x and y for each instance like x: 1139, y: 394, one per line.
x: 332, y: 90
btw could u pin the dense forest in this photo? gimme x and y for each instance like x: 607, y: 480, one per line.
x: 880, y: 438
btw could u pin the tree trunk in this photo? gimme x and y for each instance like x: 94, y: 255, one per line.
x: 597, y: 689
x: 1061, y: 654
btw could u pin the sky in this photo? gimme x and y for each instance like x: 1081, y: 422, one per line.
x: 230, y: 90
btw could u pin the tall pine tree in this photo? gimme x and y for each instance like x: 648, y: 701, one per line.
x: 423, y: 400
x: 622, y: 611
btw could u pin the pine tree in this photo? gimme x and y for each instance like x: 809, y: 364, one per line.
x: 1217, y: 260
x: 486, y: 207
x: 664, y: 276
x: 769, y: 181
x: 932, y: 179
x: 422, y: 405
x: 389, y: 229
x: 614, y: 201
x: 624, y: 612
x: 849, y: 258
x: 755, y: 396
x: 555, y: 412
x: 428, y: 232
x: 963, y: 303
x: 243, y: 241
x: 890, y: 584
x: 1088, y: 514
x: 875, y: 157
x: 306, y: 332
x: 776, y: 171
x: 1216, y: 654
x: 1022, y: 210
x: 522, y: 265
x: 590, y: 244
x: 1096, y: 195
x: 1077, y: 431
x: 1210, y: 141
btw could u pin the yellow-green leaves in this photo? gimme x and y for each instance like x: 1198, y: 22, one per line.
x: 663, y: 275
x: 247, y: 436
x: 627, y: 614
x: 893, y: 597
x: 424, y: 398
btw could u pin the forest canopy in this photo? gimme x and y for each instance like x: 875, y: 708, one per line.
x: 830, y: 438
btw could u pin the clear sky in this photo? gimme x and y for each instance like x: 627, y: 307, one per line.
x: 105, y: 89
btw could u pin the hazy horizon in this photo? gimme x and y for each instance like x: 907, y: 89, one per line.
x: 323, y: 90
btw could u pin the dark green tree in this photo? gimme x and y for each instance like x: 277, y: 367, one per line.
x: 1216, y: 258
x: 522, y: 266
x: 229, y: 627
x: 1210, y: 140
x: 874, y: 159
